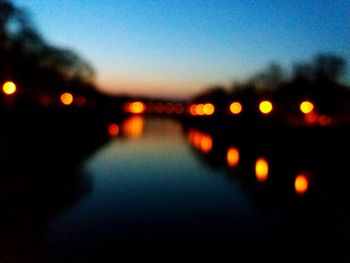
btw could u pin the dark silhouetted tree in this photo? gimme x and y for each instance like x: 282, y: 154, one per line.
x: 271, y: 77
x: 330, y: 67
x: 36, y: 66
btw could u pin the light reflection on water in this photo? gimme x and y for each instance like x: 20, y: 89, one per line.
x: 155, y: 184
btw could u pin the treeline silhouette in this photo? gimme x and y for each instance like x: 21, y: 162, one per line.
x: 319, y: 80
x: 40, y: 69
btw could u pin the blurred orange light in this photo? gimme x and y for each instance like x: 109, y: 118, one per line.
x: 67, y: 98
x: 200, y: 109
x: 265, y: 107
x: 232, y: 156
x: 113, y: 130
x: 206, y: 143
x: 208, y: 109
x: 137, y: 107
x: 236, y: 108
x: 9, y: 88
x: 200, y: 141
x: 192, y: 110
x: 133, y: 127
x: 261, y: 169
x: 306, y: 107
x: 301, y: 184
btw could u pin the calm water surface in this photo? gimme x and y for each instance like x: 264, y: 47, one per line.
x: 159, y: 190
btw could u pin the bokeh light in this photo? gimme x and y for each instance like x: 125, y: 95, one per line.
x: 232, y: 156
x: 261, y: 169
x: 301, y: 184
x: 306, y: 107
x: 265, y: 107
x: 9, y: 88
x: 236, y: 107
x: 67, y: 98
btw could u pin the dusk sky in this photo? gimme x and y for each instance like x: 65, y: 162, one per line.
x: 178, y: 48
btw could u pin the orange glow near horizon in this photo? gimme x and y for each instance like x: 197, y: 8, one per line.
x: 236, y: 108
x: 9, y: 88
x: 136, y: 107
x: 67, y: 98
x: 306, y: 107
x: 133, y: 127
x: 232, y: 156
x: 265, y: 107
x: 301, y: 184
x: 201, y: 109
x: 261, y: 169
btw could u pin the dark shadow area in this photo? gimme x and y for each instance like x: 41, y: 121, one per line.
x: 266, y: 164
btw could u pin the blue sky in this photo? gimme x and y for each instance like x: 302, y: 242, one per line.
x: 178, y: 48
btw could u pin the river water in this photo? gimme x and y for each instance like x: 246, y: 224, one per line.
x: 161, y: 191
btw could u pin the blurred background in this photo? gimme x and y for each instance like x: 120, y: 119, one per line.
x: 145, y: 130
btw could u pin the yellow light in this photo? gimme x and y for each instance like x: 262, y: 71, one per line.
x: 113, y: 130
x: 306, y: 107
x: 208, y: 109
x: 236, y: 108
x: 261, y: 169
x: 9, y: 88
x: 200, y: 109
x: 67, y: 98
x: 232, y: 156
x: 265, y: 107
x: 301, y: 184
x: 137, y: 107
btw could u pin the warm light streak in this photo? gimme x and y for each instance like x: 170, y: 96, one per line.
x: 265, y: 107
x: 9, y: 88
x: 113, y: 130
x: 232, y: 156
x: 133, y: 127
x: 201, y: 141
x: 306, y: 107
x: 67, y: 98
x: 236, y: 108
x: 206, y: 143
x: 301, y: 184
x: 261, y: 169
